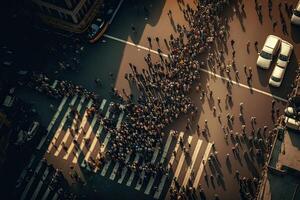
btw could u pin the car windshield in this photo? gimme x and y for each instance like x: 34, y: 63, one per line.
x: 297, y: 13
x: 275, y: 79
x: 266, y: 55
x: 283, y: 57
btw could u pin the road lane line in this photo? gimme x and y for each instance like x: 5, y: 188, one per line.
x: 194, y: 157
x: 135, y: 45
x: 201, y: 168
x: 67, y: 134
x: 62, y: 123
x: 201, y: 69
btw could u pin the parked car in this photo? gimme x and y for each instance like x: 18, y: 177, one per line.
x: 292, y: 112
x: 281, y: 64
x: 296, y: 15
x: 292, y: 123
x: 269, y: 49
x: 96, y: 29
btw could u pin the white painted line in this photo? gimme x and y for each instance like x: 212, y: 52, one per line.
x: 55, y: 197
x: 115, y: 12
x: 37, y: 190
x: 103, y: 104
x: 124, y: 171
x: 176, y: 148
x: 46, y: 194
x: 85, y: 138
x: 201, y: 168
x: 114, y: 172
x: 62, y: 123
x: 120, y: 119
x: 164, y: 178
x: 155, y: 154
x: 51, y: 124
x: 135, y: 45
x: 129, y: 182
x: 140, y: 183
x: 54, y: 84
x: 204, y: 70
x: 68, y: 133
x: 24, y: 171
x: 166, y: 149
x: 181, y: 160
x: 190, y: 168
x: 160, y: 187
x: 24, y: 193
x: 82, y: 125
x: 105, y: 168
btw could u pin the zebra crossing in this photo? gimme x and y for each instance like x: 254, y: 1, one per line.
x: 91, y: 140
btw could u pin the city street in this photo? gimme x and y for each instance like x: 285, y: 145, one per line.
x: 207, y: 160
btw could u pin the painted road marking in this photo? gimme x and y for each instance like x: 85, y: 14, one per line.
x: 164, y: 178
x: 24, y: 193
x: 203, y: 70
x: 136, y: 159
x: 124, y: 171
x: 67, y: 134
x: 51, y: 124
x: 194, y: 157
x: 82, y: 125
x: 181, y: 160
x: 63, y: 121
x: 201, y: 168
x: 37, y: 190
x: 166, y: 148
x: 95, y: 140
x: 85, y: 138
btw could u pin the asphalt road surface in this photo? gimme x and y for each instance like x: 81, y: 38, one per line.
x: 120, y: 46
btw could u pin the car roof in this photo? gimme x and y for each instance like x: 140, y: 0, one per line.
x: 278, y: 72
x: 267, y: 49
x: 271, y: 41
x: 285, y: 48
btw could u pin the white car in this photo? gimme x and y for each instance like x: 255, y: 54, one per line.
x: 292, y: 123
x: 281, y: 64
x: 269, y: 49
x: 296, y: 15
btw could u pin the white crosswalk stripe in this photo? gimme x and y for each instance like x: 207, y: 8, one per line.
x: 86, y: 137
x: 164, y: 178
x: 25, y: 191
x: 82, y: 124
x: 37, y: 190
x: 136, y: 159
x: 200, y: 170
x: 46, y: 194
x: 58, y: 131
x: 67, y: 134
x: 181, y: 160
x: 190, y: 168
x: 51, y: 124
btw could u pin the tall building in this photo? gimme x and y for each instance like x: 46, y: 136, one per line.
x: 71, y: 15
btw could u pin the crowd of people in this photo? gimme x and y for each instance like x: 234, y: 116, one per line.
x: 163, y: 95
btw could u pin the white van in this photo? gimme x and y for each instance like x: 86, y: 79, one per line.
x: 296, y: 15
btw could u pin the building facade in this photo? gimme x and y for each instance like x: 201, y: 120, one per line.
x: 70, y: 15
